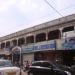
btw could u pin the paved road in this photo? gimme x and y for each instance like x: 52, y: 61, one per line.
x: 24, y: 73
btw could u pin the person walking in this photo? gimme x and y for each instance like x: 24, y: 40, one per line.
x: 27, y: 65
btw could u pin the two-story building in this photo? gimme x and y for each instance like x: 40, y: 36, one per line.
x: 54, y: 40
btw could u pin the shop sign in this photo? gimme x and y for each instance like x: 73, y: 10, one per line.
x: 68, y: 43
x: 16, y: 50
x: 48, y: 45
x: 45, y: 47
x: 59, y: 44
x: 27, y: 48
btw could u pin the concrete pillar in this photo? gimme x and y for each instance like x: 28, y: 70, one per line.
x: 74, y: 28
x: 17, y: 41
x: 0, y: 45
x: 34, y: 38
x: 5, y: 44
x: 11, y: 43
x: 46, y: 36
x: 25, y: 40
x: 61, y: 33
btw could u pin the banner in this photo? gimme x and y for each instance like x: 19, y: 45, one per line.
x: 68, y: 43
x: 41, y: 46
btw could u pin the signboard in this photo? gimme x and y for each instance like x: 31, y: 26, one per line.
x: 68, y: 43
x: 16, y: 50
x: 59, y: 44
x: 47, y: 45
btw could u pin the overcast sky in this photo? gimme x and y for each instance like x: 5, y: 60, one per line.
x: 16, y: 15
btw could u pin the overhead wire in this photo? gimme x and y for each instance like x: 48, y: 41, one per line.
x: 43, y: 16
x: 53, y: 8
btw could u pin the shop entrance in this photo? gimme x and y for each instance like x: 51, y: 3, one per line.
x: 68, y: 57
x: 45, y: 55
x: 17, y: 56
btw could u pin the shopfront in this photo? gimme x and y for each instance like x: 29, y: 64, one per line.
x: 28, y: 53
x: 45, y: 51
x: 68, y: 57
x: 68, y: 51
x: 39, y: 51
x: 5, y: 54
x: 28, y: 57
x: 45, y: 55
x: 17, y: 55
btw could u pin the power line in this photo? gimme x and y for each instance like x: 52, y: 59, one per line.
x: 53, y: 8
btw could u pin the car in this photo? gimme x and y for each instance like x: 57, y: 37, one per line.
x: 48, y: 68
x: 7, y: 68
x: 73, y: 69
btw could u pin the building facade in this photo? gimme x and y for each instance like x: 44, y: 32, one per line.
x: 54, y: 40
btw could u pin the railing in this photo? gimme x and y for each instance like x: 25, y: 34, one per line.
x: 67, y: 43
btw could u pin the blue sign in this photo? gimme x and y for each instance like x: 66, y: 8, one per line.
x: 69, y: 43
x: 48, y: 45
x: 45, y: 47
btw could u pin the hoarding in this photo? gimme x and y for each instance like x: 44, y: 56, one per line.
x: 41, y: 46
x: 68, y: 43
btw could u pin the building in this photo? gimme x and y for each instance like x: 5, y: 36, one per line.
x: 47, y: 41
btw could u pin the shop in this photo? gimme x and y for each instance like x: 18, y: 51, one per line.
x: 17, y: 55
x: 28, y: 57
x: 68, y: 57
x: 65, y: 57
x: 5, y: 54
x: 45, y: 51
x: 27, y: 53
x: 66, y: 50
x: 40, y: 51
x: 45, y: 55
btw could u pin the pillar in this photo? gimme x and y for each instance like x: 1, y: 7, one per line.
x: 61, y: 33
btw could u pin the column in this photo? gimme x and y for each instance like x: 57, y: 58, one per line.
x: 5, y: 44
x: 0, y: 45
x: 46, y: 34
x: 61, y: 33
x: 34, y: 38
x: 74, y: 29
x: 17, y: 41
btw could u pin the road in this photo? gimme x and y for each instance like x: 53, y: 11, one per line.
x: 24, y: 73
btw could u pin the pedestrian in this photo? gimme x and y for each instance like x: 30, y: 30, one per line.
x: 15, y: 63
x: 24, y: 66
x: 27, y: 65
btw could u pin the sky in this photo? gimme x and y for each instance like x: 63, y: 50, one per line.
x: 16, y: 15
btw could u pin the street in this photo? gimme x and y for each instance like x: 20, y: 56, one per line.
x: 24, y: 73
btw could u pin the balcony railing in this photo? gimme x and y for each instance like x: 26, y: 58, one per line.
x: 67, y: 43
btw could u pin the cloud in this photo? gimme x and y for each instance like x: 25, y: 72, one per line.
x: 16, y: 15
x: 5, y: 4
x: 61, y: 4
x: 34, y: 7
x: 26, y: 5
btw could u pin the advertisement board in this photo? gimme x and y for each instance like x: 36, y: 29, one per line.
x: 41, y: 46
x: 68, y: 43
